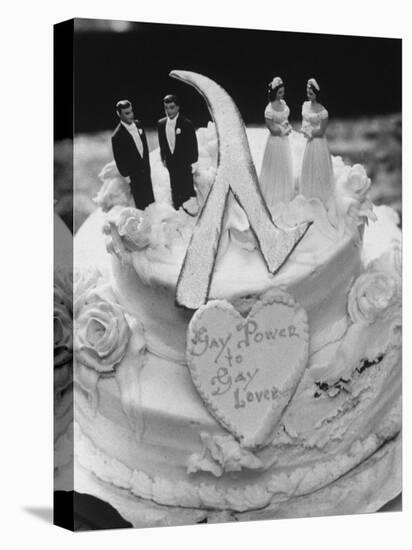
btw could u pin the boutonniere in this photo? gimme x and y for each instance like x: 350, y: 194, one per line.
x: 178, y: 131
x: 140, y: 131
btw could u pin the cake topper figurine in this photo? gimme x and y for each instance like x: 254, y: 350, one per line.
x: 236, y: 173
x: 316, y: 178
x: 276, y: 177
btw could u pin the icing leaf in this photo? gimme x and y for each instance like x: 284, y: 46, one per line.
x: 88, y: 378
x: 128, y: 377
x: 222, y: 454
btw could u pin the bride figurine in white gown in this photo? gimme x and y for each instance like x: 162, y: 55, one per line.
x: 276, y: 176
x: 316, y: 179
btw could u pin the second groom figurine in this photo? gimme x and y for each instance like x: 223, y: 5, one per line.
x: 178, y: 150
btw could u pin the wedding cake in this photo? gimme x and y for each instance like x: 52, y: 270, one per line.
x: 232, y: 362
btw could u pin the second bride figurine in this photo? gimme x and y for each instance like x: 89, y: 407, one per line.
x: 316, y: 179
x: 276, y: 176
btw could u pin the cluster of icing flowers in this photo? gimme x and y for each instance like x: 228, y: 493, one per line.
x: 63, y: 318
x: 352, y: 186
x: 357, y: 182
x: 375, y: 314
x: 115, y: 189
x: 134, y: 227
x: 377, y: 291
x: 372, y: 294
x: 101, y: 328
x: 159, y: 227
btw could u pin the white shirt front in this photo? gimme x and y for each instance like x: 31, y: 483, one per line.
x: 171, y: 132
x: 133, y: 131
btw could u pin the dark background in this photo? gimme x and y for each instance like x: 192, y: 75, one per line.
x: 357, y: 75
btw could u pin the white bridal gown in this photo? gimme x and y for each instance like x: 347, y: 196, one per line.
x: 276, y: 176
x: 316, y: 179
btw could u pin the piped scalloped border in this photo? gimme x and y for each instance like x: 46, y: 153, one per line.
x: 248, y: 496
x: 273, y: 296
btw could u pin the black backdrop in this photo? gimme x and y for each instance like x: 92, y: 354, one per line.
x: 359, y: 76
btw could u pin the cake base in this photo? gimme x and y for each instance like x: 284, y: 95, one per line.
x: 365, y: 489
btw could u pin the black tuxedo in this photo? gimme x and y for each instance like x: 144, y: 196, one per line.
x: 130, y: 163
x: 179, y: 162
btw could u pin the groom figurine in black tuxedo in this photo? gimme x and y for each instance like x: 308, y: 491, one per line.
x: 131, y: 154
x: 178, y: 150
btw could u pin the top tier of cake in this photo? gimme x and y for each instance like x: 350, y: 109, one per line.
x: 318, y: 274
x: 229, y: 257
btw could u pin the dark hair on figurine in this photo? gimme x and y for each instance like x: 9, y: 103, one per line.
x: 171, y: 98
x: 272, y: 92
x: 122, y: 104
x: 317, y: 92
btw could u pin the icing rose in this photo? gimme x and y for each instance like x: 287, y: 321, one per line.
x: 372, y: 293
x: 357, y: 183
x: 83, y: 282
x: 101, y: 333
x: 115, y: 189
x: 63, y: 320
x: 160, y: 231
x: 353, y: 206
x: 63, y: 339
x: 167, y: 227
x: 134, y: 227
x: 359, y: 211
x: 63, y: 287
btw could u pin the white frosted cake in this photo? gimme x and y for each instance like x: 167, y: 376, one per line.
x: 256, y: 375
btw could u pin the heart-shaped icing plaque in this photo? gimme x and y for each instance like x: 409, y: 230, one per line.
x: 246, y: 369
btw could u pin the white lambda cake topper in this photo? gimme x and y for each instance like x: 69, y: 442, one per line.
x: 236, y: 173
